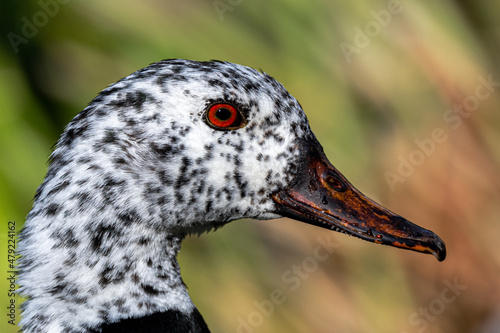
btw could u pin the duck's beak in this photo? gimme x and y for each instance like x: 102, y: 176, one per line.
x: 323, y: 197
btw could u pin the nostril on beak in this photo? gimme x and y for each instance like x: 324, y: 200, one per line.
x: 335, y: 183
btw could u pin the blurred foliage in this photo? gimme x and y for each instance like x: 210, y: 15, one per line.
x: 367, y: 109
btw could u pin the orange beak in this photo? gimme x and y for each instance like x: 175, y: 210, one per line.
x: 323, y: 197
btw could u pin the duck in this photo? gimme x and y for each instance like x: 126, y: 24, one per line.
x: 177, y: 148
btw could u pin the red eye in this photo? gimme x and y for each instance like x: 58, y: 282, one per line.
x: 224, y: 116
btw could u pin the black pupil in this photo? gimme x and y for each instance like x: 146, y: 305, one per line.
x: 223, y: 114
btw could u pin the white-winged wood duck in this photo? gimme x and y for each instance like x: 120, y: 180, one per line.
x: 176, y: 148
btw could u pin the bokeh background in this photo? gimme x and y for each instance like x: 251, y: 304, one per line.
x: 376, y: 78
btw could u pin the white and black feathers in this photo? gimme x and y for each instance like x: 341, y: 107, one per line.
x: 178, y: 147
x: 136, y: 171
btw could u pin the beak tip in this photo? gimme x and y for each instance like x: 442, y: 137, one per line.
x: 440, y: 254
x: 438, y: 248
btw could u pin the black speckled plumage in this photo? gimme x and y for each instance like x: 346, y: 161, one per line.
x: 136, y: 171
x: 147, y: 163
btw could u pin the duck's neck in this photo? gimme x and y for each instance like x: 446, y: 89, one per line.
x: 81, y: 285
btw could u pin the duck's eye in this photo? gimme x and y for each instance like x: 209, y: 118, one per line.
x: 224, y: 117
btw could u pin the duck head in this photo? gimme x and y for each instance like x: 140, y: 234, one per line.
x: 220, y: 141
x: 176, y: 148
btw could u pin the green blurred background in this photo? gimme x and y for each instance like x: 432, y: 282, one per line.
x: 376, y: 78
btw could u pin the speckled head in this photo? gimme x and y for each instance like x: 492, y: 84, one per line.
x: 144, y: 142
x: 175, y: 148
